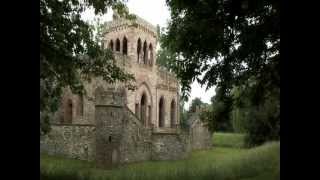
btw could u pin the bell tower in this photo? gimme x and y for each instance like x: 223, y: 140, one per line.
x: 134, y: 39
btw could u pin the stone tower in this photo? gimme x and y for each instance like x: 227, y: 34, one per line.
x: 133, y: 43
x: 135, y: 39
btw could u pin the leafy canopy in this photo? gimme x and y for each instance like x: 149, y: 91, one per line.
x: 229, y: 40
x: 229, y: 44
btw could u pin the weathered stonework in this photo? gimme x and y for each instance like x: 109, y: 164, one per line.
x: 74, y: 141
x: 113, y: 125
x: 200, y: 136
x: 166, y: 146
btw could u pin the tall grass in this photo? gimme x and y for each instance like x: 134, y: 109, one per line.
x: 234, y: 140
x: 218, y: 163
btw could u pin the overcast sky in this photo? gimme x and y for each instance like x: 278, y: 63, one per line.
x: 156, y: 12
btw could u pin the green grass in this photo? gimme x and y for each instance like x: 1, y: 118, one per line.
x: 228, y: 140
x: 219, y: 163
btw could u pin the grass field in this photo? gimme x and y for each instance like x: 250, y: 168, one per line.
x: 229, y: 163
x: 228, y: 140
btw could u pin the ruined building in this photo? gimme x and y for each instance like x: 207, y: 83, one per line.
x: 113, y: 125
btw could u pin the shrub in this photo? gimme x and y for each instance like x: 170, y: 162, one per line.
x: 263, y: 123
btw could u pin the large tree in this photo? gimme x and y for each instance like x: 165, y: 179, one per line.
x: 229, y: 41
x: 69, y: 53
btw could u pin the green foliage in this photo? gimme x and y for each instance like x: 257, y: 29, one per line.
x: 208, y: 117
x: 44, y: 123
x: 240, y: 109
x: 264, y: 122
x: 256, y: 115
x: 183, y: 115
x: 218, y: 163
x: 230, y: 42
x: 183, y: 120
x: 164, y: 58
x: 195, y: 103
x: 234, y: 140
x: 238, y: 119
x: 69, y: 53
x: 218, y: 113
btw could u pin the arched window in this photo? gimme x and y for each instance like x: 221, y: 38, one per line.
x: 125, y: 46
x: 118, y: 45
x: 111, y: 45
x: 145, y: 52
x: 173, y: 113
x: 138, y: 49
x: 161, y: 112
x: 68, y: 111
x: 143, y: 108
x: 150, y: 55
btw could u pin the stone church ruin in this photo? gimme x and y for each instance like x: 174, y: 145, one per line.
x: 112, y: 125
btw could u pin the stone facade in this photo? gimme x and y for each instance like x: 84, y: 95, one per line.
x: 74, y: 141
x: 113, y: 125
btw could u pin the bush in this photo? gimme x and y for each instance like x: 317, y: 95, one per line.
x: 263, y: 123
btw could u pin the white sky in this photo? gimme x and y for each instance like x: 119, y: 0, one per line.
x: 156, y: 12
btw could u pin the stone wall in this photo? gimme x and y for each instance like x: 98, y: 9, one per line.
x: 169, y: 146
x: 73, y: 141
x: 135, y: 144
x: 108, y: 135
x: 200, y: 136
x: 118, y: 136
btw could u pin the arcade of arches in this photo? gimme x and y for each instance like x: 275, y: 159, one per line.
x: 143, y: 111
x: 144, y: 52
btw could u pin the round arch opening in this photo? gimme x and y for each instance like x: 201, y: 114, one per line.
x: 161, y: 112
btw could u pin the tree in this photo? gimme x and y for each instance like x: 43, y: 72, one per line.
x: 229, y: 41
x: 260, y: 122
x: 195, y: 103
x: 218, y: 112
x: 240, y: 108
x: 69, y: 53
x: 165, y: 57
x: 183, y: 113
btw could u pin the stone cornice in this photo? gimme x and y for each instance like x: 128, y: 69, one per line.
x: 122, y: 23
x: 166, y: 87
